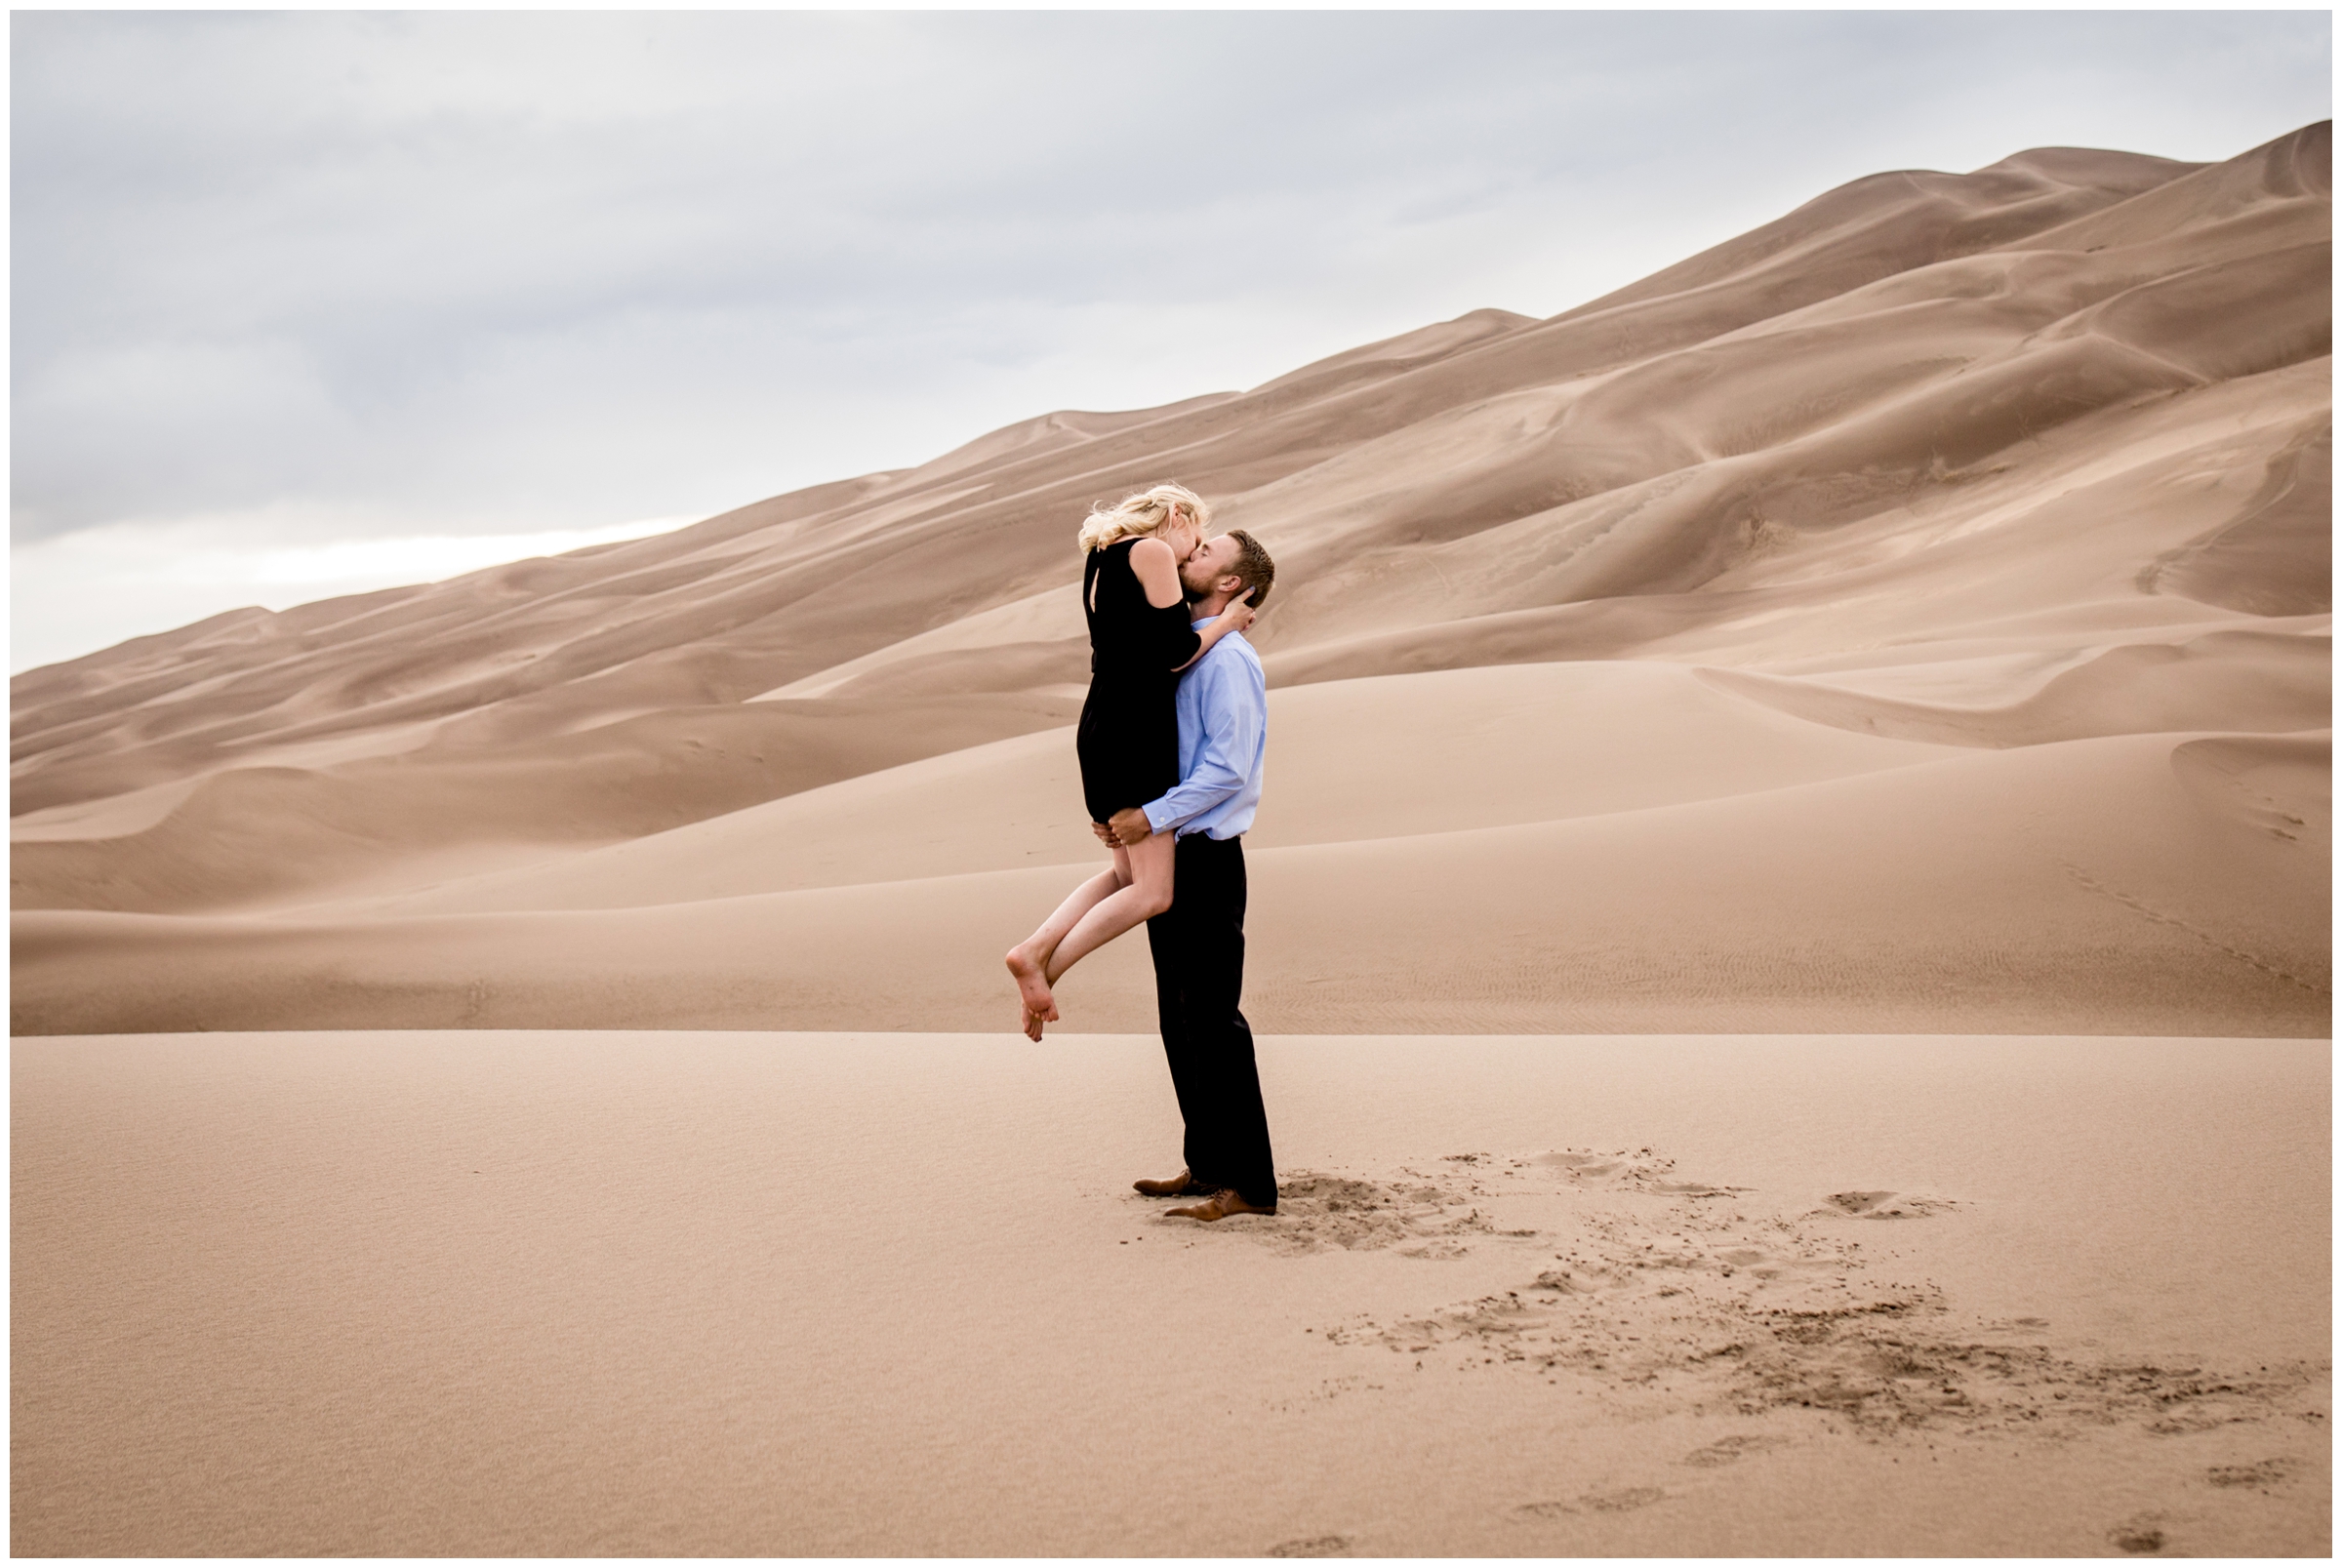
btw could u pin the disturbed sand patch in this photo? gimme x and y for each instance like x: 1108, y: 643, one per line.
x: 1420, y: 1216
x: 1678, y: 1294
x: 1430, y: 1210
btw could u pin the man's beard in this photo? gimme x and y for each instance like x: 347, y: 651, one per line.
x: 1194, y: 596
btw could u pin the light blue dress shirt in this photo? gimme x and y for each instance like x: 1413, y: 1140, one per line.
x: 1223, y: 704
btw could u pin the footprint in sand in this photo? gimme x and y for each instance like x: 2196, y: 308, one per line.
x: 1886, y: 1205
x: 1726, y: 1449
x: 2262, y: 1476
x: 2140, y: 1537
x: 1623, y: 1501
x: 1311, y: 1546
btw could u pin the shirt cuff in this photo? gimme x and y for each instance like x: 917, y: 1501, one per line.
x: 1158, y: 813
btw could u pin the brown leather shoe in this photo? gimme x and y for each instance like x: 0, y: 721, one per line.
x: 1219, y: 1206
x: 1181, y: 1185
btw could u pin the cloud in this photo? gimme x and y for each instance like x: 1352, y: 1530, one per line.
x: 442, y: 273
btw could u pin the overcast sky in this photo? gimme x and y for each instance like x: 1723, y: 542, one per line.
x: 307, y: 302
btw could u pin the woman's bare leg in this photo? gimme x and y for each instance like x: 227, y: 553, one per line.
x: 1148, y: 895
x: 1028, y: 959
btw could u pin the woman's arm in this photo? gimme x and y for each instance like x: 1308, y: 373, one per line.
x: 1157, y: 571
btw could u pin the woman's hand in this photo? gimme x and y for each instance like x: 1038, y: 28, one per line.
x: 1239, y: 614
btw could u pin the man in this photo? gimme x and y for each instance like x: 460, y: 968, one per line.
x: 1198, y: 943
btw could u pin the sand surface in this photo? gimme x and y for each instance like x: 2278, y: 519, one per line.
x: 1911, y: 616
x: 739, y: 1293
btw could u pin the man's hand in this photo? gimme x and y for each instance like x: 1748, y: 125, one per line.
x: 1131, y: 827
x: 1106, y: 834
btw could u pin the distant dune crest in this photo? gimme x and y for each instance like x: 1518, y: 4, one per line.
x: 1912, y: 614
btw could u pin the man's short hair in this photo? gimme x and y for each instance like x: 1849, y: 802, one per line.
x: 1253, y: 565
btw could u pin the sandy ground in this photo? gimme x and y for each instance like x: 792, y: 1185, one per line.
x: 706, y: 1292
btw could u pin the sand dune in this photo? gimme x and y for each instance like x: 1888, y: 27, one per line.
x: 1911, y: 615
x: 2073, y: 888
x: 241, y: 834
x: 1639, y: 736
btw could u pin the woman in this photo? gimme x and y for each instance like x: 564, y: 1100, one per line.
x: 1128, y: 742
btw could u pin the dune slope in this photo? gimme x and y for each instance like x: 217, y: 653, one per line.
x: 1911, y: 615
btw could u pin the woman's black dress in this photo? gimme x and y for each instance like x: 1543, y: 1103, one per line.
x: 1128, y: 741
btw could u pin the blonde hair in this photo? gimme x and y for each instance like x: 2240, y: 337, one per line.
x: 1140, y: 516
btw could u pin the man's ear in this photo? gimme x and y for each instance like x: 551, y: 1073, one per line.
x: 1229, y: 582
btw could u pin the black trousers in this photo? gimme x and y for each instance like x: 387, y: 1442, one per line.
x: 1199, y: 948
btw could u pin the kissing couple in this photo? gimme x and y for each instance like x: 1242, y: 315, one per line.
x: 1172, y: 740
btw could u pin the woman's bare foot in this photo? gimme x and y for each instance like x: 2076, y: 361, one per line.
x: 1033, y: 986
